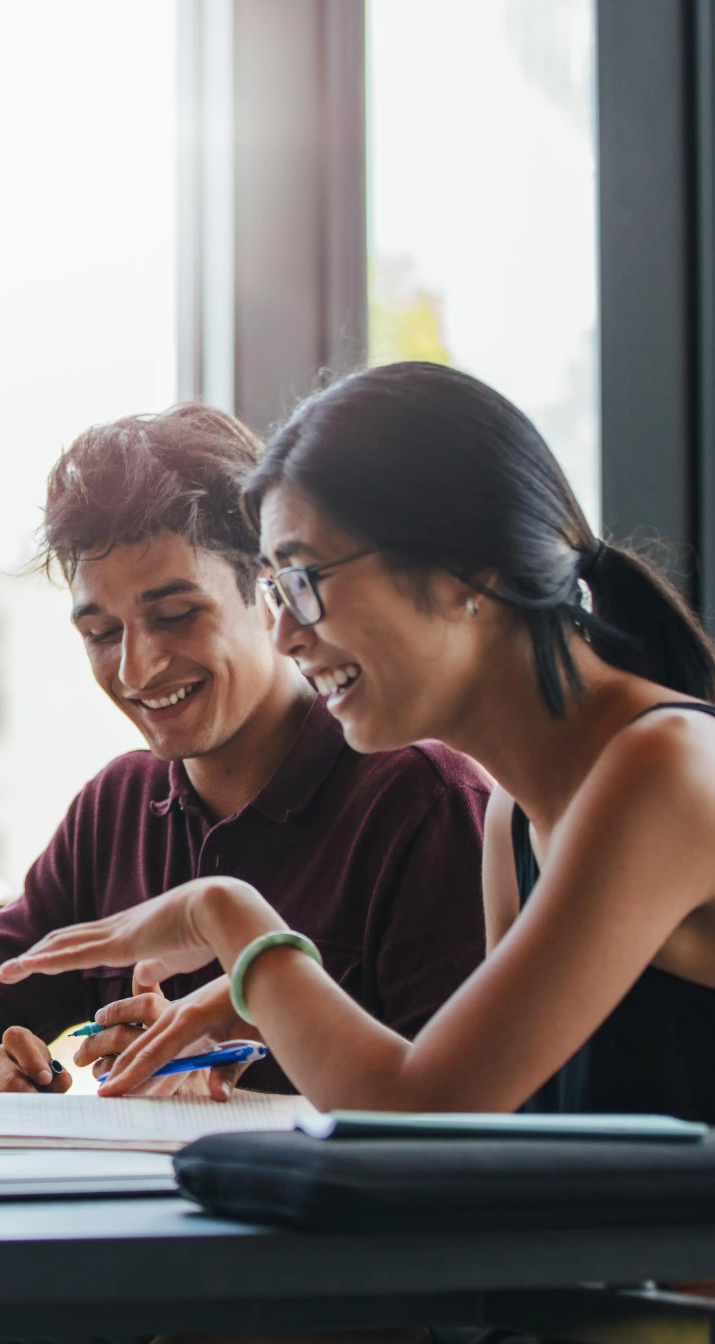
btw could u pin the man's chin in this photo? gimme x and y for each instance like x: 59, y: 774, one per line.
x: 173, y: 749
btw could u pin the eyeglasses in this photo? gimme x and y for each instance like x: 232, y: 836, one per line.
x: 297, y: 588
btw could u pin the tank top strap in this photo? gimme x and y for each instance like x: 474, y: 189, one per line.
x: 525, y: 865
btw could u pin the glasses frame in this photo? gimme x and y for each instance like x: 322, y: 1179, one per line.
x: 275, y: 595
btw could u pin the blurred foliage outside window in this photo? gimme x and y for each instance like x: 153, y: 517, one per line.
x: 481, y: 190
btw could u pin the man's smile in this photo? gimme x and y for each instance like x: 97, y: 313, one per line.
x: 163, y: 700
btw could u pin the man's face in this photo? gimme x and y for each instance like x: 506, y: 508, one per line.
x: 173, y: 644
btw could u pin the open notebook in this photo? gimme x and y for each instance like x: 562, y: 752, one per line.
x: 142, y: 1123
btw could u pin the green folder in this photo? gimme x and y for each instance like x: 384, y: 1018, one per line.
x: 471, y: 1125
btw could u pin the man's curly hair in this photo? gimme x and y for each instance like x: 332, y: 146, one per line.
x: 181, y: 471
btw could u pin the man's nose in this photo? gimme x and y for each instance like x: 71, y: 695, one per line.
x: 142, y: 658
x: 291, y: 638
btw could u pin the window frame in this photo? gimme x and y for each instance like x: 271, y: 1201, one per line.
x: 296, y: 219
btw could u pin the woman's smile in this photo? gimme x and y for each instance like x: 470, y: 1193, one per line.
x: 336, y: 680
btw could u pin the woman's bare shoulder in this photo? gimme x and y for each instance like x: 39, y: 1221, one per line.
x: 652, y: 790
x: 673, y: 746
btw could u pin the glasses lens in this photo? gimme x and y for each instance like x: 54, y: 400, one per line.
x: 270, y: 596
x: 303, y: 600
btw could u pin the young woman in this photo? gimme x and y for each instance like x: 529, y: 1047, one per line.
x: 434, y: 575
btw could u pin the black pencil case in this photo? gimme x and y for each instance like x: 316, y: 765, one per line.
x: 404, y: 1185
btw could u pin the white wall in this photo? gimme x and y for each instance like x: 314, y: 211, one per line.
x: 87, y: 333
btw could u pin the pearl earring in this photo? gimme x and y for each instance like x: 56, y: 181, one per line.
x: 472, y: 606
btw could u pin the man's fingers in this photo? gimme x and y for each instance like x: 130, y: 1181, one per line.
x: 146, y: 1008
x: 110, y: 1042
x: 223, y: 1081
x: 61, y: 1082
x: 17, y: 1082
x: 29, y: 1054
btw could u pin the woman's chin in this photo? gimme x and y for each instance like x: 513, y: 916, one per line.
x: 367, y: 736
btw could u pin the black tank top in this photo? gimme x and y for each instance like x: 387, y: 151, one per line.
x: 655, y: 1053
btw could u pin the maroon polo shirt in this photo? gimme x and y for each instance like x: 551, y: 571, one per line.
x: 377, y: 858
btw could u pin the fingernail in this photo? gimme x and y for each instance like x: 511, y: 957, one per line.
x: 100, y: 1015
x: 45, y: 1076
x: 226, y: 1089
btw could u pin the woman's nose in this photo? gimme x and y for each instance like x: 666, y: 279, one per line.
x: 289, y: 637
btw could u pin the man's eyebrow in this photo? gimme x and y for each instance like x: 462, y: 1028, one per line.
x: 85, y: 609
x: 167, y: 590
x: 150, y: 595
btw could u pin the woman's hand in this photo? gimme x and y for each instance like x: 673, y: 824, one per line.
x: 128, y: 1021
x: 199, y: 1022
x: 178, y: 932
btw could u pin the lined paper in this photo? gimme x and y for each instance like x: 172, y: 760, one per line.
x: 142, y: 1123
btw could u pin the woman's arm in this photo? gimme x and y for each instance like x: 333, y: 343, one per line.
x: 631, y: 857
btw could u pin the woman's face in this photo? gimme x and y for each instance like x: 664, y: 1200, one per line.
x: 393, y: 666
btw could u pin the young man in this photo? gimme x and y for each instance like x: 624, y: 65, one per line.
x: 377, y: 858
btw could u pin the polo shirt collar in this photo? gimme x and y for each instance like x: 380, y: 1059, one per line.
x: 307, y: 763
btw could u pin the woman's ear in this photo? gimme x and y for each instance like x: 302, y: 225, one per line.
x: 464, y: 599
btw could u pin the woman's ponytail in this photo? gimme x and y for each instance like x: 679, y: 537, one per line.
x: 641, y: 623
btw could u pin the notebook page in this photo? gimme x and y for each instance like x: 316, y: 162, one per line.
x: 137, y: 1122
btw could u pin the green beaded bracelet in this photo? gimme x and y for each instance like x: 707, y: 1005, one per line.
x: 283, y: 938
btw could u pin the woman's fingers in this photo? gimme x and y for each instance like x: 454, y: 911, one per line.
x: 142, y: 984
x: 161, y: 935
x: 152, y: 972
x: 11, y: 971
x: 77, y: 948
x: 183, y: 1027
x: 102, y: 1065
x: 153, y: 1048
x: 223, y: 1081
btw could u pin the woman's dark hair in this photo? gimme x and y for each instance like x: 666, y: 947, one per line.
x: 182, y: 471
x: 439, y: 471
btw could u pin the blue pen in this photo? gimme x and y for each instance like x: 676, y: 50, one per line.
x: 240, y: 1052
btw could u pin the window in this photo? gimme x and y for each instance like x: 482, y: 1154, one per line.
x: 482, y: 204
x: 87, y: 235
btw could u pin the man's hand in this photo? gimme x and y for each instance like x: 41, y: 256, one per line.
x: 146, y: 1006
x: 25, y: 1064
